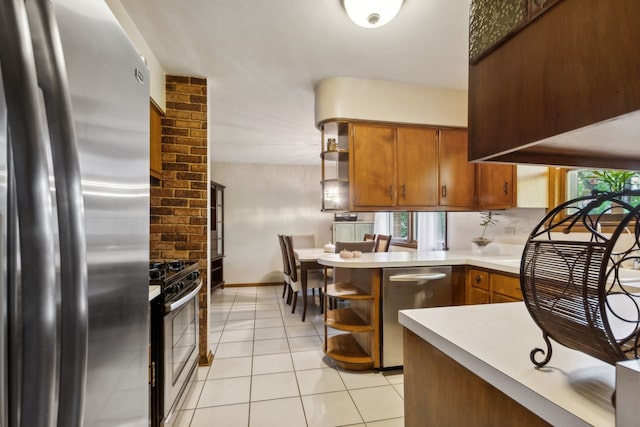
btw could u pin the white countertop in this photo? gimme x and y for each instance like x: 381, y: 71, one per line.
x: 507, y: 264
x: 494, y: 341
x: 154, y: 291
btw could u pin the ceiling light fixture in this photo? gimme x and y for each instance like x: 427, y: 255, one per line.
x: 371, y: 13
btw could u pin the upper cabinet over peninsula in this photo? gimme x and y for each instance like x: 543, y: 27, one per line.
x: 563, y: 87
x: 383, y: 166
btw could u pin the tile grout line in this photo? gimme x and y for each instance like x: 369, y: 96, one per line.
x: 295, y: 375
x: 205, y: 380
x: 253, y: 343
x: 282, y: 307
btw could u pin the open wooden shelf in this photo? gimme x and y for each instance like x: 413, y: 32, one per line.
x: 347, y: 353
x: 359, y: 349
x: 335, y: 155
x: 347, y: 291
x: 346, y: 319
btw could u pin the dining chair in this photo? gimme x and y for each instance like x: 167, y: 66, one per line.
x: 383, y: 242
x: 369, y: 237
x: 301, y: 241
x: 315, y: 279
x: 286, y: 269
x: 365, y: 246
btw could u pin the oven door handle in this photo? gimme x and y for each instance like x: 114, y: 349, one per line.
x: 168, y: 308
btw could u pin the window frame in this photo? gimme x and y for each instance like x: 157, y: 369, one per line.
x: 558, y: 195
x: 412, y: 231
x: 409, y: 241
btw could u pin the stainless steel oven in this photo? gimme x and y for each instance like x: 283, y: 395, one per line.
x: 175, y: 339
x: 181, y: 350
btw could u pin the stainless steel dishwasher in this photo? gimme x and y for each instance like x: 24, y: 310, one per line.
x: 403, y: 288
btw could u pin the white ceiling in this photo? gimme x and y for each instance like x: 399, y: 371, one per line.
x: 262, y: 59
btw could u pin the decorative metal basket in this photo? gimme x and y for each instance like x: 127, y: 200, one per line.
x: 579, y: 283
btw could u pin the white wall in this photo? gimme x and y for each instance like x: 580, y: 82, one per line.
x: 369, y: 99
x: 262, y: 201
x: 157, y: 73
x: 463, y: 226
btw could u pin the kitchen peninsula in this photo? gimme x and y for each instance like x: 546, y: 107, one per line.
x: 367, y: 283
x: 470, y: 366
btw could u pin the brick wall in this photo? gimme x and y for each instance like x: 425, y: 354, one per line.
x: 179, y: 202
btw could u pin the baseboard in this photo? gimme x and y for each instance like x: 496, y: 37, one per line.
x: 243, y: 285
x: 205, y: 360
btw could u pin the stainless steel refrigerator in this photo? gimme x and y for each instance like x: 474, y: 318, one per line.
x: 74, y: 217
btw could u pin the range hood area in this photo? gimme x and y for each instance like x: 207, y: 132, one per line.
x: 560, y: 89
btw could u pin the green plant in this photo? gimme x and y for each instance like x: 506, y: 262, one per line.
x: 613, y: 180
x: 487, y: 220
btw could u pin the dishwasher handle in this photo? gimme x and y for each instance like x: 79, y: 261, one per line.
x: 420, y: 277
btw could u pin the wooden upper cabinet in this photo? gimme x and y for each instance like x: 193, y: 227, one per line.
x: 417, y: 168
x: 457, y: 175
x: 417, y: 171
x: 496, y: 186
x: 155, y: 141
x: 372, y: 171
x: 572, y: 69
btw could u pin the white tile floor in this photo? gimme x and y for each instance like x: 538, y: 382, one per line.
x: 269, y: 370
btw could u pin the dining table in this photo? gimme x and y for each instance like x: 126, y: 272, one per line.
x: 308, y: 259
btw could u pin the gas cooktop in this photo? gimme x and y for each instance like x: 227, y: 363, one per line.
x: 173, y: 276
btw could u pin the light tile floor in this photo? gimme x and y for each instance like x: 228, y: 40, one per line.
x: 269, y: 370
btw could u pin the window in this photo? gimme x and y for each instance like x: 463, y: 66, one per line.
x: 401, y: 226
x: 567, y: 184
x: 408, y: 228
x: 585, y: 182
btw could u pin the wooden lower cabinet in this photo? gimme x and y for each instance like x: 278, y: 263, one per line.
x: 505, y: 288
x: 487, y: 286
x: 438, y: 391
x: 458, y: 285
x: 477, y: 287
x: 477, y: 296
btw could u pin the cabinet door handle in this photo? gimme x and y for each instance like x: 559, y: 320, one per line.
x: 444, y: 191
x: 391, y: 192
x: 478, y: 279
x: 505, y: 188
x: 153, y: 374
x: 404, y: 192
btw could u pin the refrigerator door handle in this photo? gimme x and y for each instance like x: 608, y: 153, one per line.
x: 38, y: 393
x: 52, y: 79
x: 14, y: 314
